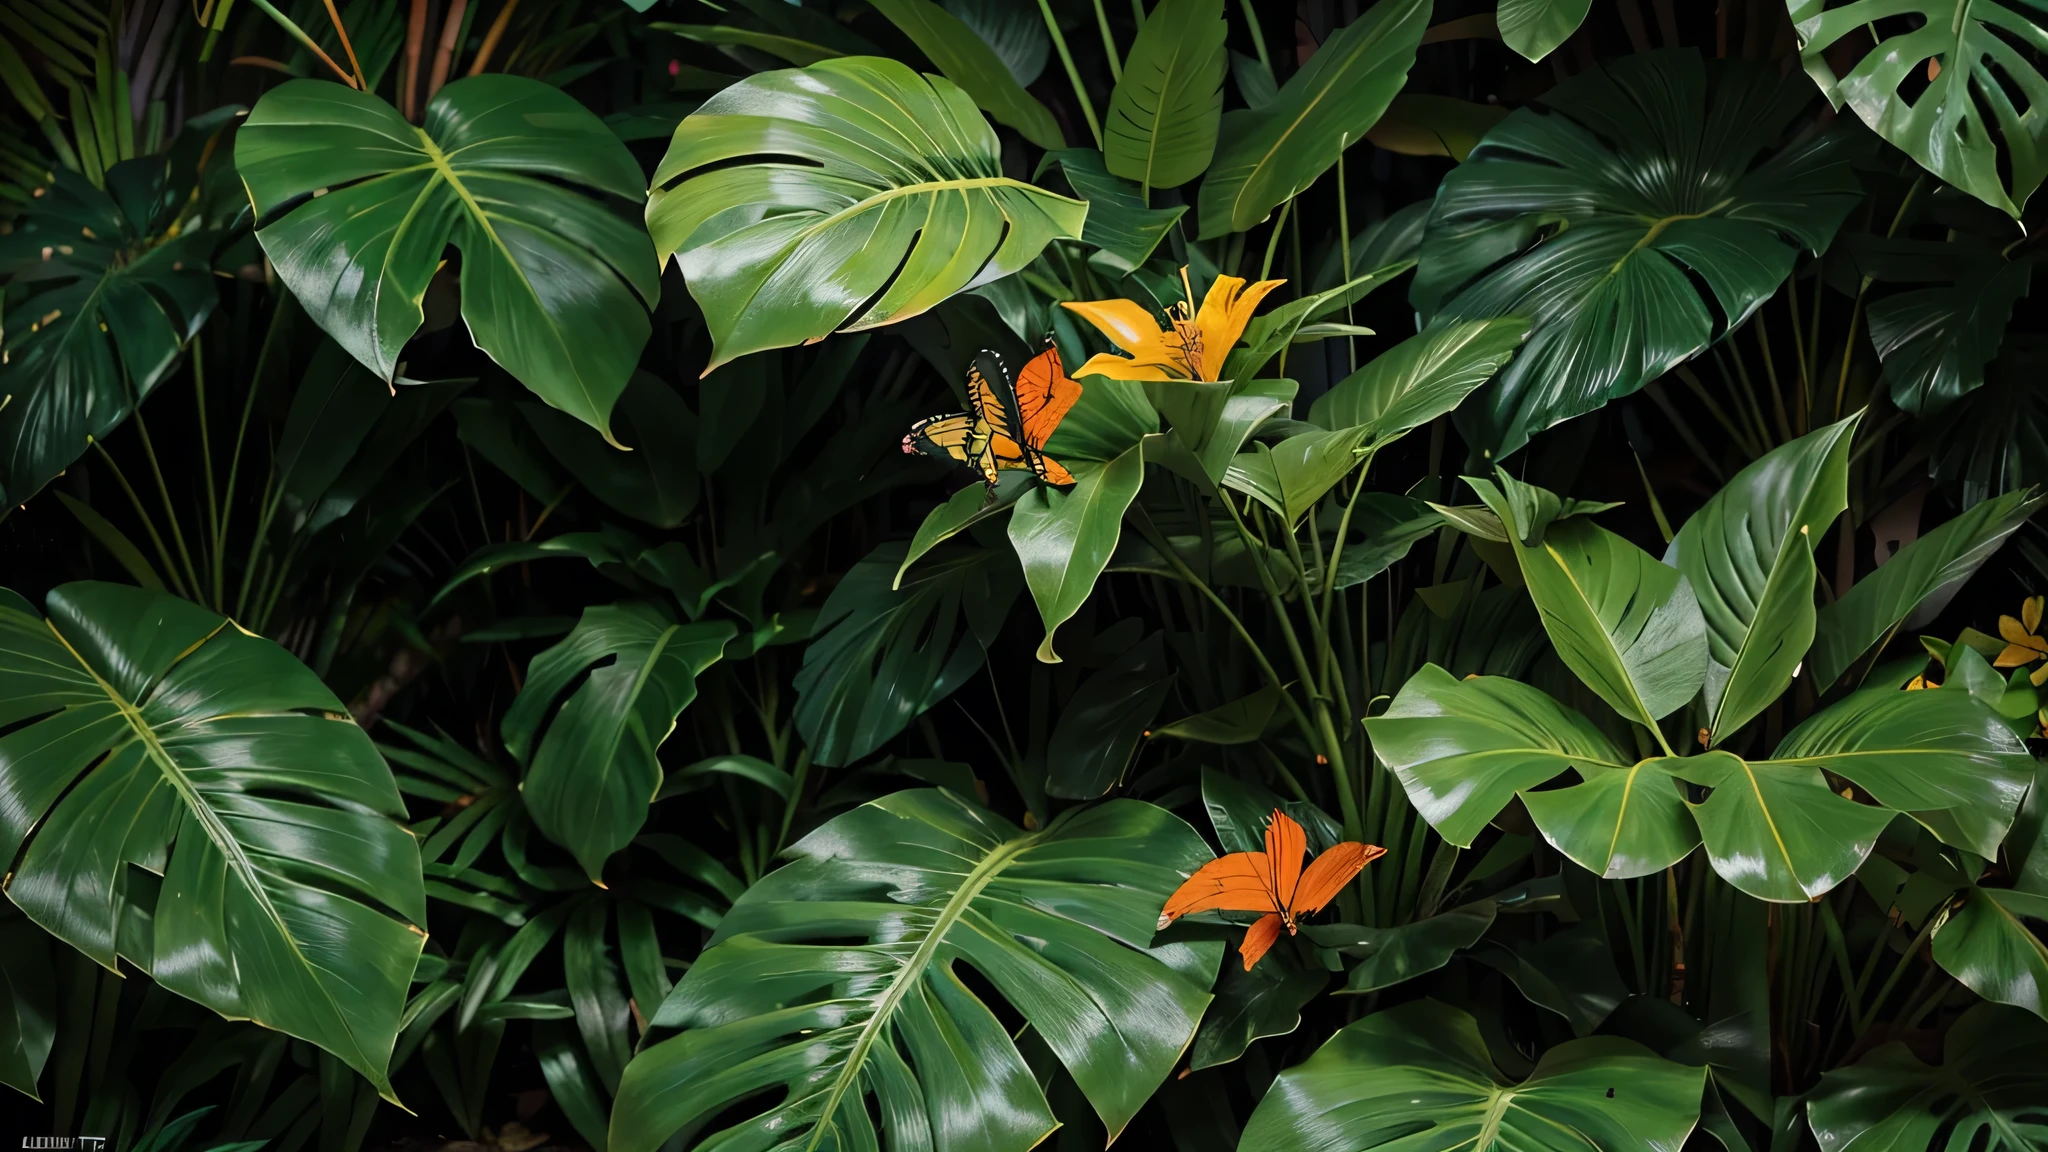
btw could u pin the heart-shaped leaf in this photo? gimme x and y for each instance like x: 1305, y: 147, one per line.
x: 360, y: 206
x: 870, y: 194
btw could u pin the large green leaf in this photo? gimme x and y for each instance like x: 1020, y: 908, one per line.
x: 967, y: 60
x: 1748, y: 553
x: 869, y: 194
x: 1985, y: 1095
x: 1981, y: 63
x: 1643, y: 184
x: 1936, y: 342
x: 1621, y: 822
x: 99, y: 310
x: 1164, y: 114
x: 1121, y: 228
x: 1535, y: 28
x: 591, y: 766
x: 1273, y: 152
x: 1928, y: 569
x: 1988, y: 946
x: 1627, y: 625
x: 1945, y: 757
x: 555, y: 283
x: 190, y: 798
x: 895, y: 895
x: 1418, y: 1078
x: 28, y: 1002
x: 1390, y: 956
x: 1420, y: 378
x: 1289, y: 477
x: 1777, y: 831
x: 882, y: 653
x: 1015, y: 31
x: 1064, y: 539
x: 1462, y: 749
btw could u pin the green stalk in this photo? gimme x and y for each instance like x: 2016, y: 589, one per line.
x: 1273, y: 241
x: 299, y: 34
x: 163, y: 554
x: 1059, y: 41
x: 213, y: 520
x: 1865, y: 1020
x: 170, y: 511
x: 1116, y: 68
x: 1251, y: 19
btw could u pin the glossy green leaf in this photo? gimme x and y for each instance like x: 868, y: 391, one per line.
x: 1122, y: 229
x: 1989, y: 946
x: 1097, y: 731
x: 1289, y: 477
x: 1620, y: 823
x: 961, y: 511
x: 190, y: 798
x: 797, y: 52
x: 1570, y: 971
x: 1239, y: 811
x: 1985, y: 1095
x: 1420, y: 378
x: 1945, y: 757
x: 703, y: 773
x: 99, y: 310
x: 1390, y: 956
x: 1419, y: 124
x: 869, y: 194
x: 1930, y: 568
x: 1240, y: 721
x: 1748, y: 553
x: 1462, y: 749
x: 1015, y: 31
x: 555, y: 284
x: 1776, y: 831
x: 1164, y: 113
x: 968, y: 60
x: 898, y: 894
x: 1637, y: 217
x: 1264, y: 1002
x: 591, y: 765
x: 1971, y: 102
x: 1535, y: 28
x: 1628, y: 626
x: 1935, y: 342
x: 1064, y: 539
x: 882, y: 654
x: 1270, y: 153
x: 1392, y: 525
x: 1419, y: 1077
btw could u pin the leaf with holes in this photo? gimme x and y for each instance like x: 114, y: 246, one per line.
x: 1640, y: 214
x: 555, y: 284
x: 1987, y: 1093
x: 868, y: 195
x: 190, y: 798
x: 839, y: 977
x: 1983, y: 87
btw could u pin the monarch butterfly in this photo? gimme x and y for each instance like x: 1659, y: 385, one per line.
x: 1272, y: 882
x: 1009, y: 422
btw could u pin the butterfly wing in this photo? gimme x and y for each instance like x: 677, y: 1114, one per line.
x: 1329, y: 873
x: 992, y: 405
x: 1286, y: 843
x: 1044, y: 393
x: 1233, y: 883
x: 946, y: 437
x: 1259, y: 937
x: 1050, y: 470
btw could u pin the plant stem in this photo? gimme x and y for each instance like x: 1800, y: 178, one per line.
x: 1273, y: 241
x: 213, y: 509
x: 1052, y: 25
x: 1251, y: 20
x: 299, y: 34
x: 163, y: 554
x: 163, y: 492
x: 1116, y: 68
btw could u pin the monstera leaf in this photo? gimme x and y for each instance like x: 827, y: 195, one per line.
x: 1982, y: 87
x: 1986, y: 1094
x: 555, y: 284
x: 1748, y: 553
x: 841, y: 976
x: 591, y: 766
x: 1597, y: 217
x: 1419, y: 1076
x: 883, y: 654
x: 871, y: 194
x: 190, y: 798
x: 106, y: 299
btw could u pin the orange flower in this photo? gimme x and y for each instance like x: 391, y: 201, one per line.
x: 1191, y: 346
x: 1272, y: 882
x: 2023, y: 642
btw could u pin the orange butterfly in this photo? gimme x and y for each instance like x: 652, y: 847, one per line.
x: 1009, y: 422
x: 1272, y: 882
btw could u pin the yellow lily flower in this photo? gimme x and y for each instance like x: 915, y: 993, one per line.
x: 1193, y: 343
x: 2023, y: 641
